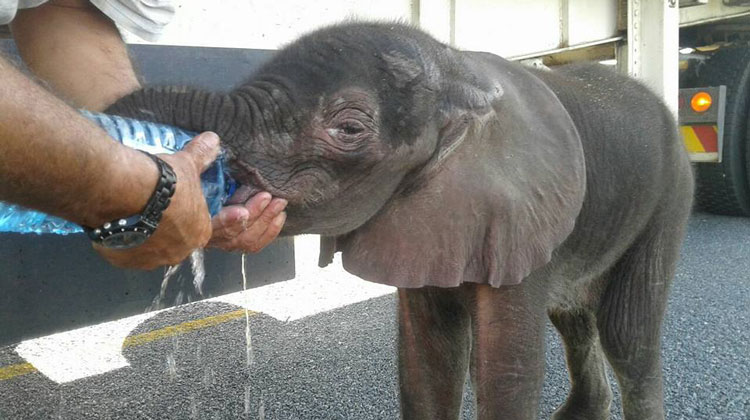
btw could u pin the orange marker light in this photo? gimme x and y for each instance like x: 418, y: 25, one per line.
x: 701, y: 102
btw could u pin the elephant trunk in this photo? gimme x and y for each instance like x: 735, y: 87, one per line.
x: 255, y: 118
x: 187, y: 108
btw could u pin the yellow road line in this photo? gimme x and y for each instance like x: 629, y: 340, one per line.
x: 185, y: 327
x: 12, y: 371
x: 19, y: 369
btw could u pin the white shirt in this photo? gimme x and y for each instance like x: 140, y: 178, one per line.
x: 145, y: 18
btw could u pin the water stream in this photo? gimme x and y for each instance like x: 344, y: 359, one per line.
x: 248, y: 339
x: 158, y: 301
x: 198, y: 269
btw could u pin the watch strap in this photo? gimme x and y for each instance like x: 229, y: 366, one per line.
x: 147, y: 221
x: 162, y: 196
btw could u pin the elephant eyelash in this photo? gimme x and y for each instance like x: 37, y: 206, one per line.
x: 336, y: 108
x: 349, y: 112
x: 351, y: 127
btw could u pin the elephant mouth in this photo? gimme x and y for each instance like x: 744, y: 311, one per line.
x: 250, y: 184
x: 243, y: 193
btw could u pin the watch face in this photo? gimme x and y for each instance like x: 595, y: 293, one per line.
x: 125, y: 240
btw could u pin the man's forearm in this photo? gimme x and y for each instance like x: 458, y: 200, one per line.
x: 77, y: 50
x: 54, y: 160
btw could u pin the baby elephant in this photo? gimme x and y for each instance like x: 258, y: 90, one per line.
x: 490, y: 194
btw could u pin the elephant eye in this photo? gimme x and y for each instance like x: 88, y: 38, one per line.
x: 351, y: 127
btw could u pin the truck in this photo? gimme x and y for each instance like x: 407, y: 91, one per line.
x: 714, y: 100
x: 693, y: 53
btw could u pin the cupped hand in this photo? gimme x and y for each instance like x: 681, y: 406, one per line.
x: 186, y: 223
x: 249, y: 227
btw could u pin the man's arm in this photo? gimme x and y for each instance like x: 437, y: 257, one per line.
x: 77, y: 50
x: 56, y: 161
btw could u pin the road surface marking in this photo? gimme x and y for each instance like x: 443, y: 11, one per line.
x: 300, y: 298
x: 312, y: 291
x: 97, y: 349
x: 76, y: 354
x: 184, y: 328
x: 12, y: 371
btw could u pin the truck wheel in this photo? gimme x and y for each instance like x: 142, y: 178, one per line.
x: 723, y: 188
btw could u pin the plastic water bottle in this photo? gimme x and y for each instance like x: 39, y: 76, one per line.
x: 150, y: 137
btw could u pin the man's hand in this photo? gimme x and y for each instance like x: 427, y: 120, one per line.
x: 186, y: 224
x: 249, y: 227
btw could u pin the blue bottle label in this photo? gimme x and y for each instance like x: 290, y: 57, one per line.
x: 150, y: 137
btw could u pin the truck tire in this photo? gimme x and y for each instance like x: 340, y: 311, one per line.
x: 723, y: 188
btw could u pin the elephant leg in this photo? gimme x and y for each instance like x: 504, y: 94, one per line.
x: 629, y: 320
x: 590, y: 395
x: 434, y: 342
x: 507, y: 362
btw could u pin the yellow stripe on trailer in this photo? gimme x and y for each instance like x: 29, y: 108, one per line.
x: 692, y: 144
x: 701, y: 142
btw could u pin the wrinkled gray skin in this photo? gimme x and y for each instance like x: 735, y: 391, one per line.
x: 490, y: 194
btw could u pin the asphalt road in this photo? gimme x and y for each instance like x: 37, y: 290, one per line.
x: 192, y: 362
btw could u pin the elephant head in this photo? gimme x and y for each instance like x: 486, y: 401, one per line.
x: 422, y: 164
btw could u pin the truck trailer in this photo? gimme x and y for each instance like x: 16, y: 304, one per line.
x: 694, y: 54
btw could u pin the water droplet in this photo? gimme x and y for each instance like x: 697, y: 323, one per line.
x: 262, y: 408
x: 180, y: 297
x: 247, y: 399
x: 193, y: 408
x: 61, y: 406
x: 207, y: 377
x: 171, y: 367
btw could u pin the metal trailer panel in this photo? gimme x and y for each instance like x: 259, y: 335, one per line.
x: 52, y: 283
x: 513, y: 29
x: 508, y: 27
x: 652, y: 51
x: 591, y: 20
x: 436, y: 17
x: 505, y: 27
x: 714, y: 11
x: 268, y: 24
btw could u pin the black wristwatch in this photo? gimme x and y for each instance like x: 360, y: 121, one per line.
x: 133, y: 231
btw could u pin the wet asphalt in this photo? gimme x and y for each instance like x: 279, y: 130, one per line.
x: 341, y: 364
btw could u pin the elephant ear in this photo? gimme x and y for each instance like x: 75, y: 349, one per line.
x: 501, y: 193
